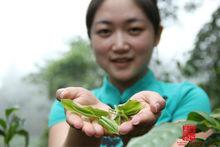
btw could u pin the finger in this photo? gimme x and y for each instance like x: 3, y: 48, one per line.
x: 145, y: 116
x: 88, y: 128
x: 58, y: 93
x: 70, y: 92
x: 99, y: 131
x: 125, y: 128
x: 74, y: 120
x: 156, y: 102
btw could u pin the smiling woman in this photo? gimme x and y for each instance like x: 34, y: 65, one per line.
x: 123, y: 35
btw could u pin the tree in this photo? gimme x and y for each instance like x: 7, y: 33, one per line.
x: 76, y: 67
x: 204, y: 61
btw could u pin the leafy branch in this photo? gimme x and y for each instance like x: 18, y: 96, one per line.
x: 11, y: 126
x: 168, y: 133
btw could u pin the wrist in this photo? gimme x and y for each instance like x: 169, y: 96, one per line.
x: 79, y: 138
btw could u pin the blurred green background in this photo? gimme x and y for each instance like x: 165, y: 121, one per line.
x: 34, y: 92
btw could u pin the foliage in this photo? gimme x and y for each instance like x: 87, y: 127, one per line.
x: 168, y: 133
x: 170, y: 8
x: 110, y: 120
x: 11, y: 126
x: 204, y: 61
x: 76, y: 67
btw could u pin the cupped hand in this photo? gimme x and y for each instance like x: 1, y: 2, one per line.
x: 83, y: 97
x: 143, y: 121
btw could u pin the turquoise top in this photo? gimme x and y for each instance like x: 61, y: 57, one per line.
x: 181, y: 98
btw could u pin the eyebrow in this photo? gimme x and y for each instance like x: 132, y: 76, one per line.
x: 103, y: 22
x: 130, y: 20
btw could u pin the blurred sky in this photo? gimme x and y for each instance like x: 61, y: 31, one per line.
x: 32, y: 31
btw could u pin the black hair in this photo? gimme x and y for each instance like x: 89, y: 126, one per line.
x: 149, y: 7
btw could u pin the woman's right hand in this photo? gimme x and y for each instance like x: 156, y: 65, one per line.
x: 83, y: 97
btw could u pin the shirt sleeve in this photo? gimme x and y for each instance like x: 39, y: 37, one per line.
x: 192, y: 98
x: 57, y: 114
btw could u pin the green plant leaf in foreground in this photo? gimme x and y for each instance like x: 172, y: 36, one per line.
x: 87, y: 111
x: 131, y: 107
x: 110, y: 125
x: 214, y: 139
x: 124, y: 111
x: 163, y: 135
x: 204, y: 121
x: 216, y: 114
x: 121, y: 112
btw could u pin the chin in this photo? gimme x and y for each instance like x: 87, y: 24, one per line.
x: 124, y: 77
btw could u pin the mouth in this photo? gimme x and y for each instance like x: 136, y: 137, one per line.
x: 121, y: 62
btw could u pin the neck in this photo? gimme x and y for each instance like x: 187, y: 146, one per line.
x: 122, y: 85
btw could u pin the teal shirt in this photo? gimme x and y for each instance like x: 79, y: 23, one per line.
x: 181, y: 98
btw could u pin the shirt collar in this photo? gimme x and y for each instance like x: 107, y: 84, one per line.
x: 113, y: 95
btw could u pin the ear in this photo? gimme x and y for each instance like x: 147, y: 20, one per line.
x: 158, y: 36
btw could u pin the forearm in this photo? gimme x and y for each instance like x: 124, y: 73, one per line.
x: 62, y: 135
x: 78, y: 138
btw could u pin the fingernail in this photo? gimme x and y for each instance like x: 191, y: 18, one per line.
x: 62, y: 93
x: 157, y: 107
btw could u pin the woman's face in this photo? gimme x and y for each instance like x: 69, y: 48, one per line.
x: 122, y: 38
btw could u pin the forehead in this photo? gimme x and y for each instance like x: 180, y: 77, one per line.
x: 118, y: 10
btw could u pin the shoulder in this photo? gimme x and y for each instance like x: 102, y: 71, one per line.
x: 182, y: 89
x: 190, y: 89
x: 186, y: 95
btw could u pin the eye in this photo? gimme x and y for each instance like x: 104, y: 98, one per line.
x: 104, y: 32
x: 135, y: 31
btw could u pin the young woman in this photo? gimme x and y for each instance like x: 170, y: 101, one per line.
x: 123, y: 34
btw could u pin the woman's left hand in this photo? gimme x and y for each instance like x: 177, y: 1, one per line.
x: 143, y: 121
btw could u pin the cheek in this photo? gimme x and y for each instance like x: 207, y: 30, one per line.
x: 143, y: 50
x: 100, y: 51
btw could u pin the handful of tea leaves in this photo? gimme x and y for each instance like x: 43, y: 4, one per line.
x: 109, y: 120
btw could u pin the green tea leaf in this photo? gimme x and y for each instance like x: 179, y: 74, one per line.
x: 67, y: 104
x: 118, y: 119
x: 73, y: 107
x: 131, y: 107
x: 110, y: 125
x: 87, y: 111
x: 97, y: 112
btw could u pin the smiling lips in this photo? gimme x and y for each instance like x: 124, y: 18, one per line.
x: 121, y: 62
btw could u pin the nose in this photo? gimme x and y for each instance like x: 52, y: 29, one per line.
x: 120, y: 43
